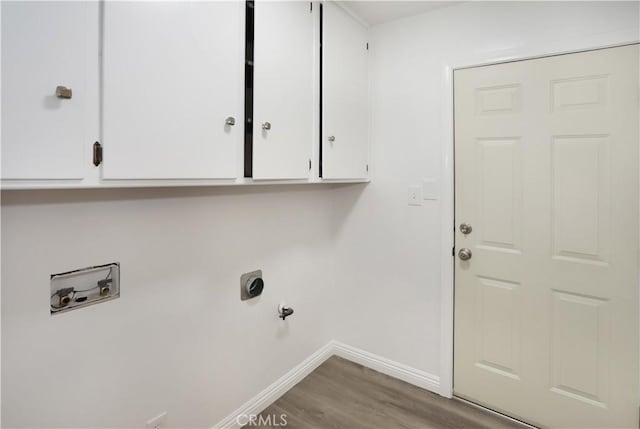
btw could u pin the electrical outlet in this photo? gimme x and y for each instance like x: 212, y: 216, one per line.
x: 157, y: 422
x: 415, y: 196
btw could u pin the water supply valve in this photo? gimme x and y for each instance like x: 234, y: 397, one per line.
x: 284, y: 311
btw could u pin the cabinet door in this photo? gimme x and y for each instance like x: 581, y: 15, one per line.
x: 44, y: 46
x: 172, y: 75
x: 283, y: 89
x: 345, y: 129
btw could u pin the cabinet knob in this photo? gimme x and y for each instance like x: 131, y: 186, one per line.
x: 266, y: 126
x: 331, y: 138
x: 231, y: 121
x: 63, y: 92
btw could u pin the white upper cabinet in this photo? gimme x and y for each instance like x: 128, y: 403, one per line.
x: 172, y: 85
x: 345, y: 124
x: 44, y: 45
x: 283, y: 102
x: 161, y: 86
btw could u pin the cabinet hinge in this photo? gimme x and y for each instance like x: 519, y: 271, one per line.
x: 367, y: 168
x: 97, y: 154
x: 310, y: 7
x: 453, y: 251
x: 309, y: 165
x: 367, y: 46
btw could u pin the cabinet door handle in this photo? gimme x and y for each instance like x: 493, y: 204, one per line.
x: 97, y: 154
x: 266, y: 126
x: 63, y: 92
x: 231, y: 121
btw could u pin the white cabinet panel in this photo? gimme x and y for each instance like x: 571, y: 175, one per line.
x: 345, y: 133
x: 284, y: 89
x: 44, y: 45
x: 172, y: 74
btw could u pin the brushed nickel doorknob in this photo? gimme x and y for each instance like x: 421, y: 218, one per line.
x: 231, y: 121
x: 465, y: 228
x: 465, y: 254
x: 266, y: 126
x: 331, y: 138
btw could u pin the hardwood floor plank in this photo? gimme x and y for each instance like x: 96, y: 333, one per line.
x: 341, y: 394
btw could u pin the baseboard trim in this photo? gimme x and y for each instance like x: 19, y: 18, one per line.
x: 386, y: 366
x: 268, y: 396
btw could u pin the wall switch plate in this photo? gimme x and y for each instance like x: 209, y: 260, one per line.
x: 157, y: 422
x: 415, y: 196
x: 431, y: 189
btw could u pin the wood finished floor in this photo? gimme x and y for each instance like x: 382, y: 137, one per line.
x: 343, y: 395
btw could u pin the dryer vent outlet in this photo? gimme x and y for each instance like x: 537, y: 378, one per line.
x: 251, y: 285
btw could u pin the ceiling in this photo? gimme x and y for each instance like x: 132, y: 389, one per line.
x: 377, y: 12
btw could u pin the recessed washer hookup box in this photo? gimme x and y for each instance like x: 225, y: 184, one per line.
x: 83, y: 287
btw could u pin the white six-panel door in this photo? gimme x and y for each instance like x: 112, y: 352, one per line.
x: 345, y: 125
x: 546, y: 309
x: 283, y: 89
x: 172, y: 75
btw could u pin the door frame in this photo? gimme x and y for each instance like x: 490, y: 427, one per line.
x: 447, y: 215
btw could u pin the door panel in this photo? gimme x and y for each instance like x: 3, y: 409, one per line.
x: 499, y: 189
x: 546, y: 310
x: 345, y: 133
x: 580, y: 188
x: 172, y: 74
x: 499, y: 326
x: 580, y: 345
x: 283, y: 89
x: 43, y: 136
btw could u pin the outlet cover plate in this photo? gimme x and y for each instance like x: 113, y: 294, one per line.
x: 157, y: 422
x: 431, y: 189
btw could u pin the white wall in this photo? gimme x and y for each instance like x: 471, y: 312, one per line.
x: 178, y: 339
x: 389, y: 254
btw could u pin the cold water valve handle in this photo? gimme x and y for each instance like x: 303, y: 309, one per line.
x: 284, y: 311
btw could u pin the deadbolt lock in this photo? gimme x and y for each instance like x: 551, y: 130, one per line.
x: 465, y: 228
